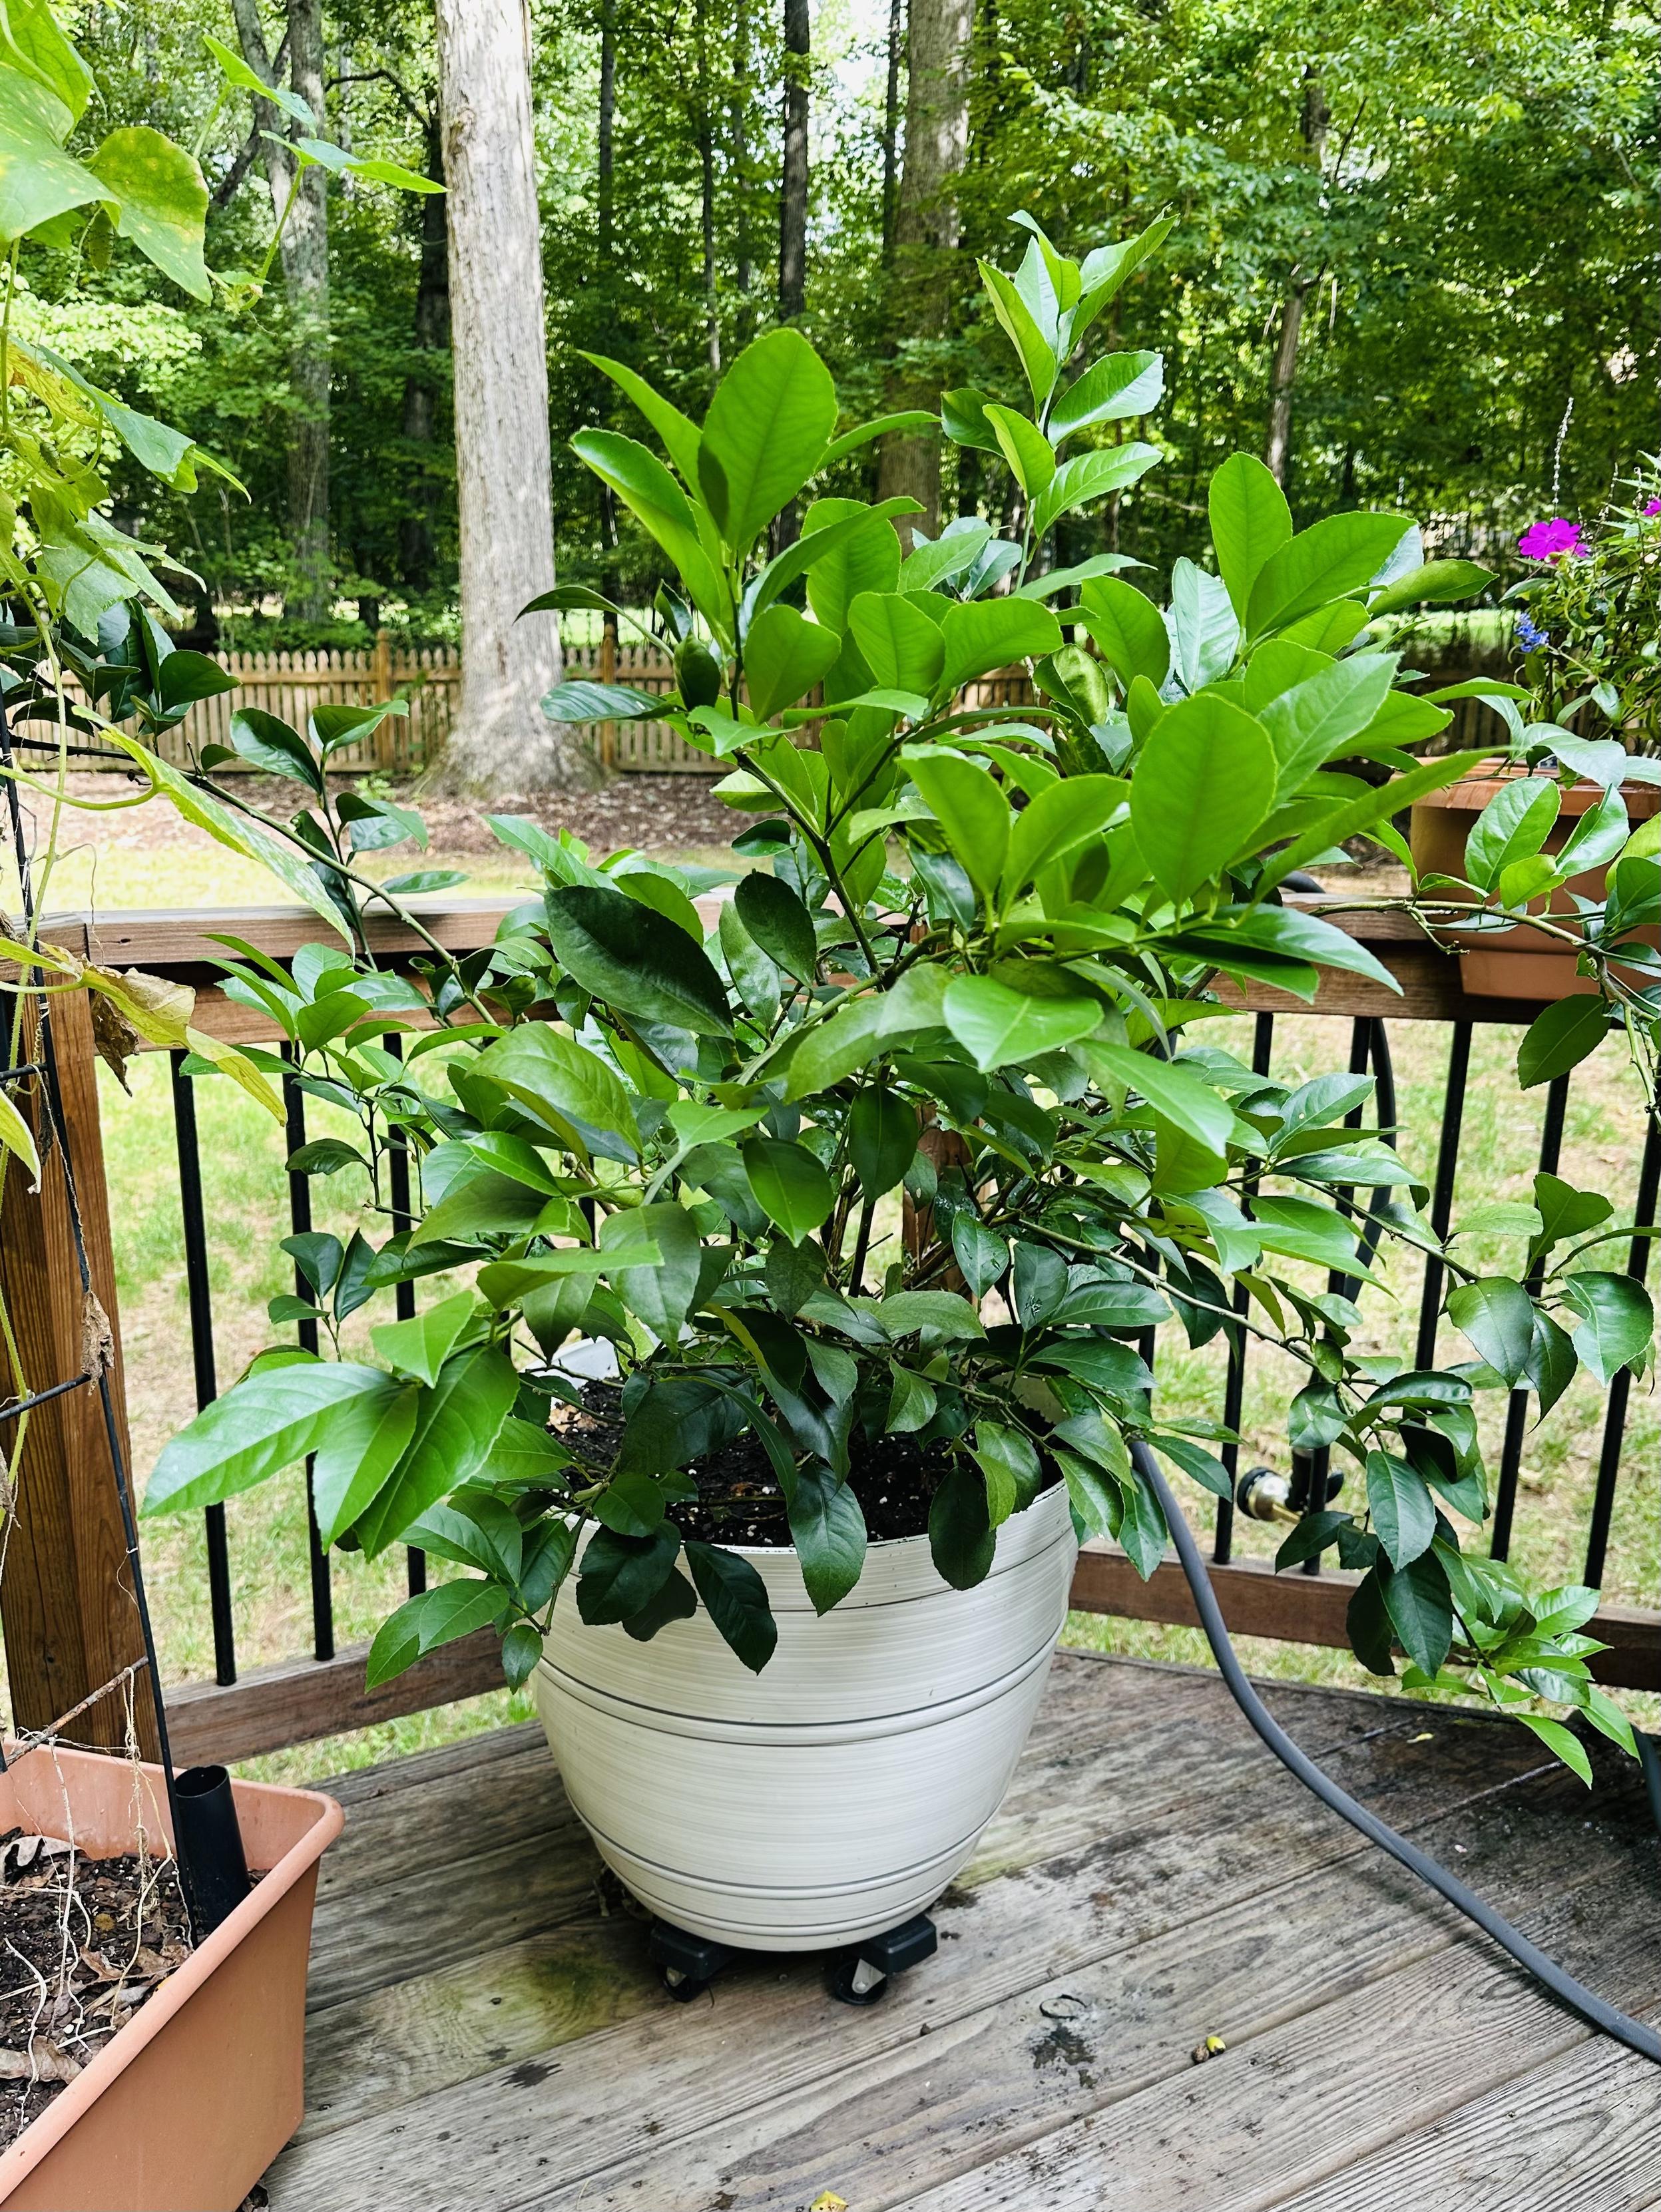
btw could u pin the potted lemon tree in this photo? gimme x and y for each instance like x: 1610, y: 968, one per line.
x: 802, y: 1226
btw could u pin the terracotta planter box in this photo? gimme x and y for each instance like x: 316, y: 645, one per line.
x: 1518, y: 962
x: 184, y: 2109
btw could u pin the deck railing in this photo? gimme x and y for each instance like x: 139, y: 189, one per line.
x: 242, y: 1713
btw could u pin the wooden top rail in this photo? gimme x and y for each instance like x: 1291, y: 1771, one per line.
x: 179, y: 942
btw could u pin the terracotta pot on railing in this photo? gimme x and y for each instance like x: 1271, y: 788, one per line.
x: 1518, y: 962
x: 185, y: 2106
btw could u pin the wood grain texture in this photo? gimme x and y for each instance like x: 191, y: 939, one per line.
x: 67, y: 1601
x: 302, y: 1700
x: 1153, y: 1877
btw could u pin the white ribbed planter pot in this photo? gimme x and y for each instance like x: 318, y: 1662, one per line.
x: 836, y: 1793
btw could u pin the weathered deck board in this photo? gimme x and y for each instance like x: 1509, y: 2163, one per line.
x: 485, y: 2029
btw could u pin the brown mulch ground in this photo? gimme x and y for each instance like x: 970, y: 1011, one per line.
x: 84, y: 1942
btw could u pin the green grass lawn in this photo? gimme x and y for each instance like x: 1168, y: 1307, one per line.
x: 247, y: 1203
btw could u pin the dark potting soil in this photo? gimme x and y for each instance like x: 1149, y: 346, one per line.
x: 739, y: 1499
x: 84, y: 1943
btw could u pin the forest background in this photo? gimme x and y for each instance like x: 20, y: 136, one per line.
x: 1415, y: 260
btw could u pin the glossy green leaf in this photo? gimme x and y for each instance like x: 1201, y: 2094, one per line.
x: 784, y: 657
x: 1111, y: 390
x: 775, y: 918
x: 1204, y: 781
x: 1421, y: 1608
x: 1128, y: 628
x: 1171, y: 1090
x: 1560, y: 1037
x: 620, y: 1575
x: 961, y: 1537
x: 972, y: 810
x: 790, y: 1186
x: 456, y: 1423
x: 828, y: 1530
x: 636, y: 960
x: 1617, y: 1319
x: 1250, y: 521
x: 420, y: 1346
x: 882, y: 1139
x: 1328, y: 561
x: 562, y: 1084
x: 735, y: 1598
x: 1404, y: 1511
x: 1496, y: 1317
x: 997, y: 1025
x: 989, y: 633
x: 257, y: 1428
x: 901, y: 646
x: 1055, y: 821
x: 360, y: 1446
x: 1089, y: 476
x: 1514, y: 823
x: 662, y: 1291
x: 773, y: 415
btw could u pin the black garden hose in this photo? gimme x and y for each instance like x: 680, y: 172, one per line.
x: 1591, y: 2009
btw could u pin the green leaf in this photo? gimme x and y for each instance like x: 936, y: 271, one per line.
x: 904, y: 1313
x: 828, y: 1530
x: 636, y: 960
x: 257, y: 1429
x: 971, y: 807
x: 422, y: 1624
x: 1560, y: 1037
x: 1565, y: 1211
x: 1250, y: 521
x: 909, y: 422
x: 1128, y: 628
x: 1009, y: 1467
x: 267, y: 742
x: 1204, y: 782
x: 15, y: 1136
x: 1359, y: 814
x: 1329, y: 560
x: 1496, y: 1317
x: 37, y: 179
x: 1421, y: 1608
x: 1024, y: 446
x: 981, y: 1254
x: 1091, y: 476
x: 988, y: 634
x: 790, y: 1186
x: 901, y: 646
x: 359, y: 1448
x: 1111, y: 390
x: 784, y: 657
x: 1305, y: 1231
x: 679, y: 436
x: 769, y: 424
x: 997, y: 1025
x: 775, y: 918
x: 1055, y: 821
x: 420, y: 1346
x: 1616, y: 1318
x: 32, y: 44
x: 961, y: 1537
x: 1513, y: 824
x: 662, y: 1291
x: 456, y: 1423
x: 1435, y: 583
x: 1315, y: 720
x: 882, y: 1139
x: 674, y: 1599
x: 1404, y: 1511
x: 620, y: 1575
x: 862, y: 1027
x: 163, y: 200
x: 1037, y: 359
x: 1560, y: 1740
x: 1171, y: 1090
x: 735, y: 1598
x: 583, y: 701
x: 563, y: 1085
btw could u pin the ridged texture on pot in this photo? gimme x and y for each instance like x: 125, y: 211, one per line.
x: 837, y: 1792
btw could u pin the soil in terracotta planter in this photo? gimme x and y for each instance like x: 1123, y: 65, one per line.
x: 84, y: 1943
x: 738, y: 1500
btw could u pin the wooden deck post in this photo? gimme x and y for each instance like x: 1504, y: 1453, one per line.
x: 66, y: 1601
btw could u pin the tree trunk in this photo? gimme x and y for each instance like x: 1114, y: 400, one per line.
x: 1283, y: 373
x: 501, y: 741
x: 740, y: 153
x: 304, y: 250
x: 432, y: 333
x: 891, y: 130
x: 926, y: 231
x: 606, y: 208
x: 705, y: 123
x: 793, y: 195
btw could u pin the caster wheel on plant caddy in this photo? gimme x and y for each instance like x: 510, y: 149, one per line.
x: 686, y: 1964
x: 860, y: 1976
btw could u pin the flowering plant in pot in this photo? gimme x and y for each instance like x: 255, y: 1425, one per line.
x: 787, y: 1566
x: 1529, y: 840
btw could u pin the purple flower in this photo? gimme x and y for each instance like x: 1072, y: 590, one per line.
x: 1651, y: 507
x: 1528, y: 634
x: 1545, y: 541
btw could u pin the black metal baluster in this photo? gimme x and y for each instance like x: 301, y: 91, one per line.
x: 1517, y: 1407
x: 397, y: 1176
x: 1311, y: 1470
x: 207, y: 1381
x: 1441, y: 1203
x: 1614, y: 1422
x: 1263, y: 1050
x: 300, y: 1217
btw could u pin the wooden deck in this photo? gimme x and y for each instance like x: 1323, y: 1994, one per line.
x: 486, y: 2033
